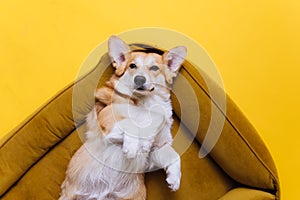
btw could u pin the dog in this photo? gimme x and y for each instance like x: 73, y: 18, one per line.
x: 129, y: 129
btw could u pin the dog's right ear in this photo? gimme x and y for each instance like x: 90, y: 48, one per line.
x: 119, y: 53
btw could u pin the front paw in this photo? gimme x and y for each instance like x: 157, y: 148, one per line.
x: 174, y: 175
x: 129, y: 152
x: 130, y: 146
x: 174, y: 181
x: 145, y: 146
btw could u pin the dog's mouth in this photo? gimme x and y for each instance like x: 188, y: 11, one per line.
x: 144, y: 89
x: 141, y: 88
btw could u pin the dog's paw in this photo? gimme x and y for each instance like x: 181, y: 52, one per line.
x: 129, y: 152
x: 173, y: 181
x: 130, y: 146
x: 174, y: 175
x: 145, y: 146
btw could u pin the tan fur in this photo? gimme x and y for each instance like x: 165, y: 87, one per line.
x: 141, y: 193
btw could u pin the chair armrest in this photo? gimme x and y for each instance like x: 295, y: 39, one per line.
x: 27, y: 143
x: 239, y: 150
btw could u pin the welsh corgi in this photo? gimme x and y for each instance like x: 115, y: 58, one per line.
x: 129, y: 129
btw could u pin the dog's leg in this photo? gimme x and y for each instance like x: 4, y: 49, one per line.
x: 130, y: 145
x: 130, y: 133
x: 151, y: 129
x: 167, y: 158
x: 70, y: 186
x: 115, y: 135
x: 140, y: 194
x: 64, y: 193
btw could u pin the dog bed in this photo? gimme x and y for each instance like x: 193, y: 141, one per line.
x: 34, y: 156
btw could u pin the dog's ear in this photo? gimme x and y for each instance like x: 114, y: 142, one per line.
x: 119, y: 53
x: 173, y: 59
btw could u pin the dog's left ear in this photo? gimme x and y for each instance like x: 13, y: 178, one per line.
x: 173, y: 59
x: 119, y: 53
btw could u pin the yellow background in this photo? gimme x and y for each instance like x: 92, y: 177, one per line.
x: 255, y: 45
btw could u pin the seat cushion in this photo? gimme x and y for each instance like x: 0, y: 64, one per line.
x: 202, y: 178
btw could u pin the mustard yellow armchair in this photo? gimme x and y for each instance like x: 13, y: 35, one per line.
x: 34, y: 156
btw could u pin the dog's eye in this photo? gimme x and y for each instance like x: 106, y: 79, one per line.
x: 154, y: 68
x: 132, y: 66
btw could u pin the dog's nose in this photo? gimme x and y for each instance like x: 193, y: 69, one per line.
x: 139, y: 80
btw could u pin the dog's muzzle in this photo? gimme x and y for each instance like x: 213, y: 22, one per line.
x: 140, y: 84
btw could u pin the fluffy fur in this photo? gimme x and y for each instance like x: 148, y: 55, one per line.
x: 129, y: 130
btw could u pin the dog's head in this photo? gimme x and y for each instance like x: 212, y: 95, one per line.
x: 141, y: 73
